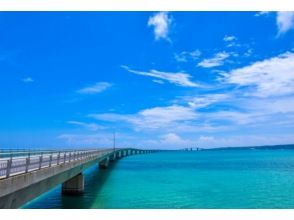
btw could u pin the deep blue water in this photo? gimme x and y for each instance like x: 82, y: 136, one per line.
x: 202, y: 179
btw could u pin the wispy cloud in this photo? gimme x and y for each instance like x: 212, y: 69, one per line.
x: 217, y: 60
x: 285, y: 21
x: 28, y: 80
x: 203, y: 101
x: 153, y: 118
x: 228, y: 38
x: 270, y: 77
x: 90, y: 140
x: 185, y: 56
x: 88, y: 126
x: 231, y: 41
x: 158, y: 81
x: 161, y: 22
x: 178, y: 78
x: 261, y: 13
x: 96, y: 88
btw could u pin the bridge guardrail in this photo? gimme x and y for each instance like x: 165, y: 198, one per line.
x: 19, y: 165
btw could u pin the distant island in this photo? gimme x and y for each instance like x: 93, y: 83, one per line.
x: 265, y: 147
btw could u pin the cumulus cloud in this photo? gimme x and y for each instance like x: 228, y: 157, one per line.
x: 178, y: 78
x: 94, y: 89
x: 270, y: 77
x: 217, y: 60
x: 161, y: 23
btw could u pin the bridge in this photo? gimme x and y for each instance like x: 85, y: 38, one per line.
x: 25, y: 176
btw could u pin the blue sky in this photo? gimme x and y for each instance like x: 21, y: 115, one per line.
x: 159, y: 79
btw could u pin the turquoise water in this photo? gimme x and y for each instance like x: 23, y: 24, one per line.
x: 203, y: 179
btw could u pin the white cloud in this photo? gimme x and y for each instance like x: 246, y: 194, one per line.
x: 206, y: 139
x: 158, y: 81
x: 228, y: 38
x: 249, y: 52
x: 153, y: 118
x: 261, y: 13
x: 270, y: 77
x: 161, y: 23
x: 231, y: 41
x: 88, y: 140
x: 89, y: 126
x: 28, y: 80
x: 285, y: 21
x: 217, y: 60
x: 185, y: 55
x: 96, y: 88
x: 179, y: 78
x: 236, y: 117
x: 243, y: 140
x: 206, y: 100
x: 172, y: 140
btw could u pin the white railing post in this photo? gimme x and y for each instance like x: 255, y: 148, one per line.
x: 50, y: 160
x: 58, y: 158
x: 8, y: 168
x: 27, y: 164
x: 40, y: 161
x: 69, y: 157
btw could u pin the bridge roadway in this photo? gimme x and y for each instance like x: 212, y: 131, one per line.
x: 24, y: 177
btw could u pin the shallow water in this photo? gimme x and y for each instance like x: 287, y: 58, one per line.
x: 202, y: 179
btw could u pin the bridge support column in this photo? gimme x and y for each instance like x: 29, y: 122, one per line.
x: 112, y: 157
x: 104, y: 163
x: 74, y: 186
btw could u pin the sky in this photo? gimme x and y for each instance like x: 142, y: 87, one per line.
x: 164, y: 80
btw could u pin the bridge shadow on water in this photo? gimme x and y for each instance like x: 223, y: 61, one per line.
x: 95, y: 179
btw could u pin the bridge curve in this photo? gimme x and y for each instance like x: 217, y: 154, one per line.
x: 23, y: 178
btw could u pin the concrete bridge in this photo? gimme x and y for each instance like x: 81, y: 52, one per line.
x: 22, y: 178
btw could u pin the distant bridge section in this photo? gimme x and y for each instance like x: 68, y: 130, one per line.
x: 25, y: 177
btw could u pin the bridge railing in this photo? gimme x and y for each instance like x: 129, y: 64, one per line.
x: 19, y: 165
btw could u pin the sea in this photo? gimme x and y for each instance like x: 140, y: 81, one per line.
x: 208, y: 179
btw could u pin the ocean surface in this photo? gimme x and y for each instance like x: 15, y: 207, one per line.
x: 197, y: 179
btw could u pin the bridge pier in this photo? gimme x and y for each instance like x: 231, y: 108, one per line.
x: 112, y: 157
x: 103, y: 164
x: 74, y: 186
